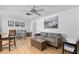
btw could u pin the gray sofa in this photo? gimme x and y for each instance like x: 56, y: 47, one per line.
x: 53, y: 39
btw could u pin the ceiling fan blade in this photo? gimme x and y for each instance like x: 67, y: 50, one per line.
x: 38, y: 13
x: 24, y: 10
x: 40, y: 10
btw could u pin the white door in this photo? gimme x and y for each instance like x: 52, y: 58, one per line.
x: 34, y: 28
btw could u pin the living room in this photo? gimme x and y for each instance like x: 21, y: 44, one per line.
x: 36, y: 19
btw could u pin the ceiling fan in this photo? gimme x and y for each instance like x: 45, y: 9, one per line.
x: 34, y: 10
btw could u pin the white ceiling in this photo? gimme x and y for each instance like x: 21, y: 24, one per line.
x: 48, y: 10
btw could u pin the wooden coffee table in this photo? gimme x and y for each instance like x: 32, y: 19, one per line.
x: 39, y: 43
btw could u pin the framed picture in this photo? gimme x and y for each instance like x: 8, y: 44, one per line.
x: 22, y: 24
x: 51, y: 23
x: 10, y: 23
x: 17, y: 24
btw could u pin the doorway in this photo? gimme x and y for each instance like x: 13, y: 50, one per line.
x: 34, y: 28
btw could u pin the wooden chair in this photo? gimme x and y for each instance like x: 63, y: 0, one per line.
x: 10, y: 39
x: 12, y: 34
x: 0, y: 43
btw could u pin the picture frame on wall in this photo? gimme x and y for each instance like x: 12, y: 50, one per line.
x: 10, y: 23
x: 51, y: 23
x: 17, y: 24
x: 22, y: 24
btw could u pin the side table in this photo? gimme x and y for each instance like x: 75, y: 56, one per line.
x: 69, y: 47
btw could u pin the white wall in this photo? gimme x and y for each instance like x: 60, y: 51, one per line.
x: 67, y: 23
x: 0, y: 23
x: 4, y: 24
x: 78, y: 24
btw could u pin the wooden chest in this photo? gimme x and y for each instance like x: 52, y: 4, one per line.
x: 39, y: 43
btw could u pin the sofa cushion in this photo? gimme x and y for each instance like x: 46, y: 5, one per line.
x: 40, y: 37
x: 53, y: 40
x: 52, y: 35
x: 43, y: 34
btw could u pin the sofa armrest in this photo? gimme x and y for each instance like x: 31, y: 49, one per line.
x: 58, y: 37
x: 58, y: 40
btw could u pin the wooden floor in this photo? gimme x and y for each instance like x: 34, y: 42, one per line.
x: 24, y: 47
